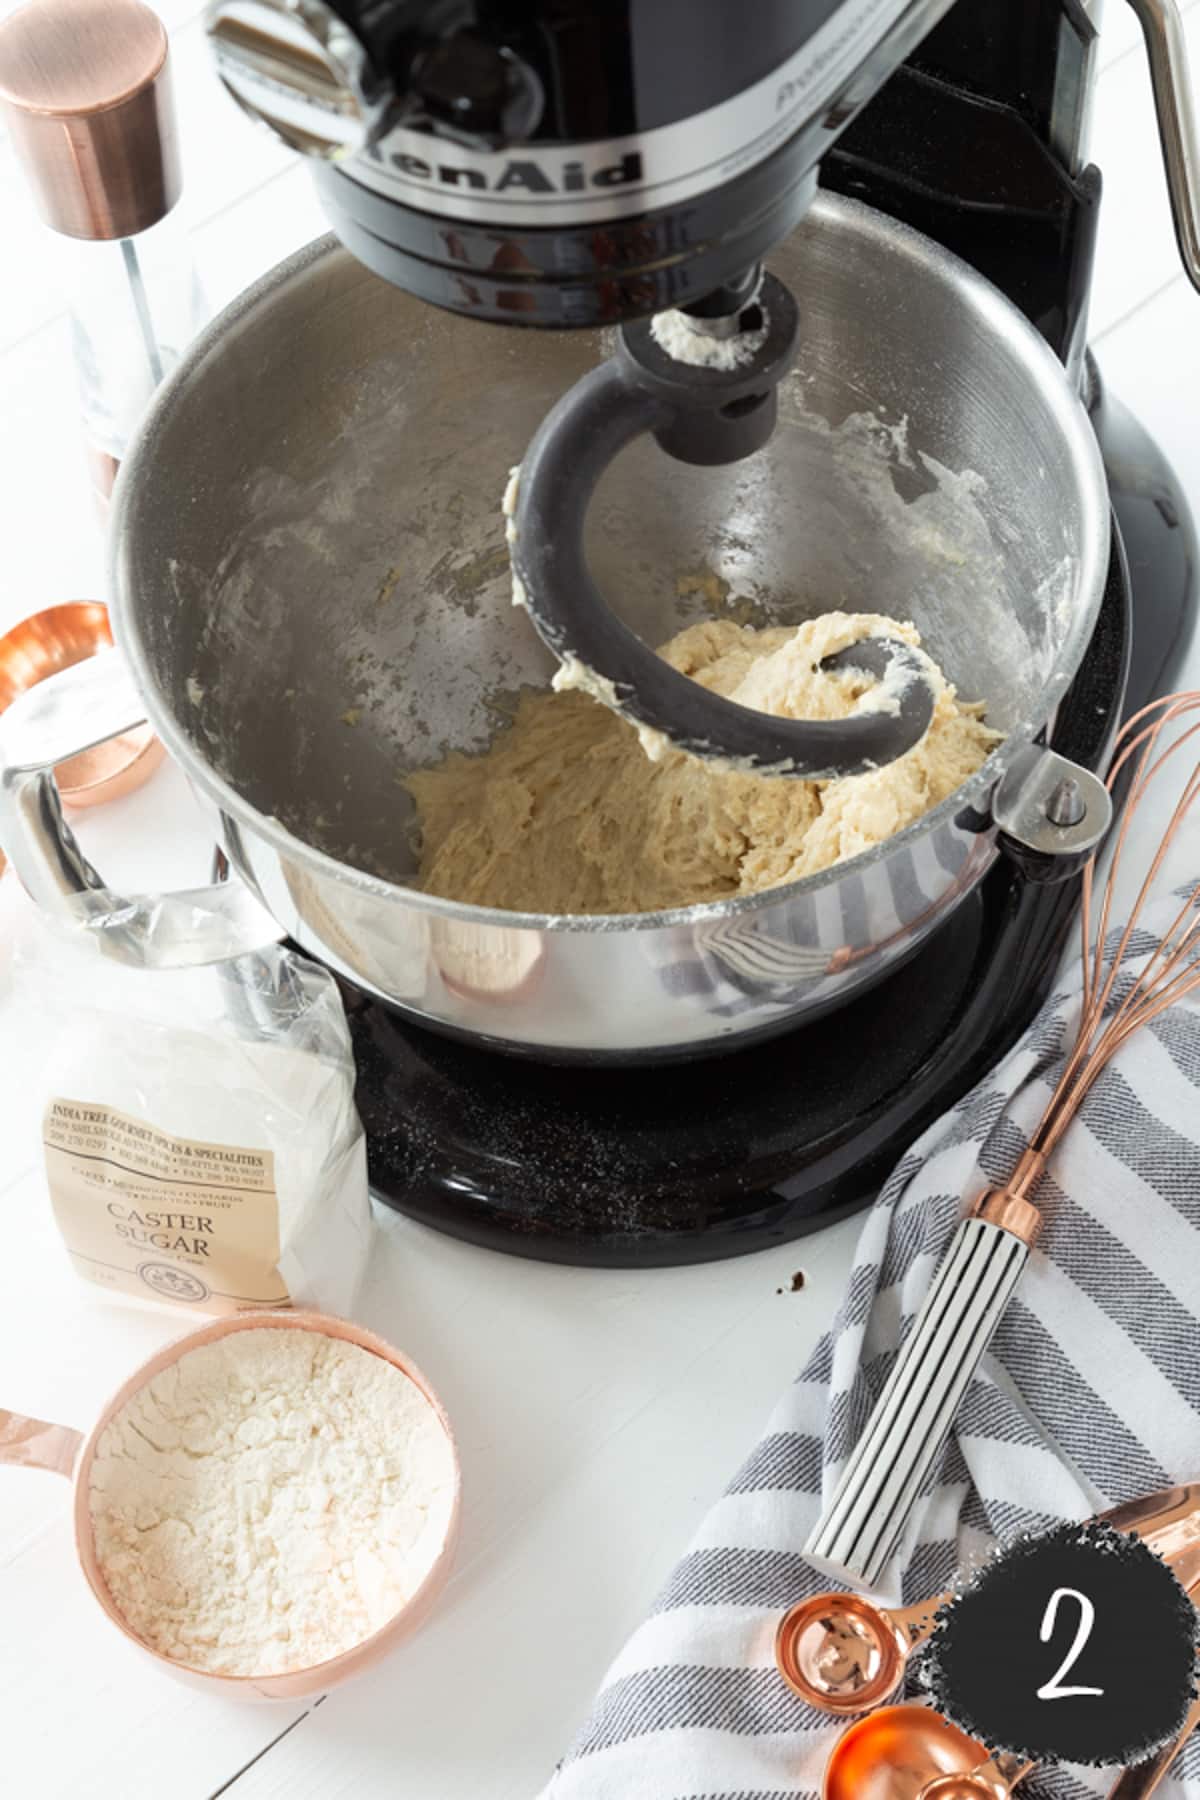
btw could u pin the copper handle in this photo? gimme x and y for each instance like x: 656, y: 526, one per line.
x: 1141, y: 1780
x: 35, y: 1444
x: 1179, y: 1545
x: 915, y: 1623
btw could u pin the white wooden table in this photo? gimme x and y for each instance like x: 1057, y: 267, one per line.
x: 598, y: 1412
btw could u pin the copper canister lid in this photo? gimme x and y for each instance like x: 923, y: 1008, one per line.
x: 85, y: 91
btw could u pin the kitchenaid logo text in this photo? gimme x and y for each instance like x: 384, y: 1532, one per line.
x: 669, y: 164
x: 518, y: 175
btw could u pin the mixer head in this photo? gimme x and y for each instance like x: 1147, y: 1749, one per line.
x: 562, y: 162
x: 581, y: 162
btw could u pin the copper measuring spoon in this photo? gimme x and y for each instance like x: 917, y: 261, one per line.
x: 996, y: 1778
x: 845, y: 1655
x: 888, y: 1756
x: 894, y: 1753
x: 993, y: 1780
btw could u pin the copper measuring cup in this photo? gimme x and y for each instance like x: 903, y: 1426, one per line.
x: 890, y: 1755
x: 845, y: 1654
x: 934, y: 1742
x: 895, y: 1753
x: 55, y: 639
x: 913, y: 1753
x: 40, y: 1445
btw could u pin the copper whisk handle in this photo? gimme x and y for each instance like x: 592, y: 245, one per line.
x: 1008, y: 1208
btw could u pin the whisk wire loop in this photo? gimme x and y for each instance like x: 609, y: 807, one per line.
x: 1171, y: 969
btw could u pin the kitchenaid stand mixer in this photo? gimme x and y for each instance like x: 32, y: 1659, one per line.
x: 978, y: 141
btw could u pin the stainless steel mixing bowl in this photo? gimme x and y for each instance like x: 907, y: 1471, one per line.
x: 311, y: 588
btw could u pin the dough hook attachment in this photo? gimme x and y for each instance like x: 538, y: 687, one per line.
x: 705, y: 416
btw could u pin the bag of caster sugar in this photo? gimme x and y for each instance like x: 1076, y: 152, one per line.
x: 201, y: 1145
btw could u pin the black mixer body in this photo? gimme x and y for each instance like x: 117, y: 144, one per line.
x: 566, y: 163
x: 563, y: 162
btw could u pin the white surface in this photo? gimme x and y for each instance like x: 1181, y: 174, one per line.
x: 598, y: 1412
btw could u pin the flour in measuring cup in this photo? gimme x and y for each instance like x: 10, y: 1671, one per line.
x: 270, y: 1500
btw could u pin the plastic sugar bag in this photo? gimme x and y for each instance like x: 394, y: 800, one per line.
x: 201, y: 1143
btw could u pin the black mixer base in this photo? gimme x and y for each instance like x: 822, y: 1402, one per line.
x: 693, y: 1161
x: 721, y: 1156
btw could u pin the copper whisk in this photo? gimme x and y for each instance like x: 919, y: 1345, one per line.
x: 860, y: 1527
x: 1172, y: 971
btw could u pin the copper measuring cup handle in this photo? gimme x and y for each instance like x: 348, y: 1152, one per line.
x: 993, y: 1780
x: 1141, y: 1780
x: 36, y: 1444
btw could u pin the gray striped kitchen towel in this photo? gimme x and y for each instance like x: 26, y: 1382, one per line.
x: 1090, y: 1394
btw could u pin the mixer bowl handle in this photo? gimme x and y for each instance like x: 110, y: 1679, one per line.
x: 59, y: 718
x: 1051, y: 814
x: 703, y: 416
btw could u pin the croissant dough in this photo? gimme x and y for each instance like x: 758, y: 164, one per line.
x: 566, y: 814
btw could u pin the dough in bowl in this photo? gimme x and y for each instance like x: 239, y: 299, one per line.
x: 565, y: 813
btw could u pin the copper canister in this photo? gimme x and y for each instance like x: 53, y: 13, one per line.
x: 85, y: 91
x: 85, y: 94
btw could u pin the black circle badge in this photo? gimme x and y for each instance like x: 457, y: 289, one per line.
x: 1077, y: 1646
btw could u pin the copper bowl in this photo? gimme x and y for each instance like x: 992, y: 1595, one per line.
x: 893, y: 1753
x: 56, y: 639
x: 39, y: 1444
